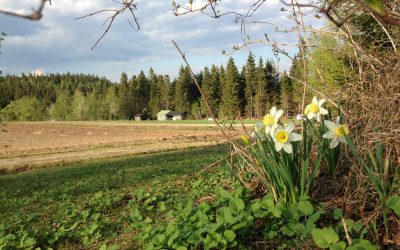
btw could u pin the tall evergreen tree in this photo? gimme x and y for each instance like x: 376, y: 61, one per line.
x: 125, y: 97
x: 261, y: 88
x: 287, y: 98
x: 251, y: 85
x: 141, y: 93
x: 230, y: 101
x: 182, y: 90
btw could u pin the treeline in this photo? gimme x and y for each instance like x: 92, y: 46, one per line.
x: 248, y: 92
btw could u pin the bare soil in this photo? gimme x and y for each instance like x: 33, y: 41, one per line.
x: 33, y: 144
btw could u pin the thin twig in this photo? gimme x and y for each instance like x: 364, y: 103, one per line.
x: 36, y: 15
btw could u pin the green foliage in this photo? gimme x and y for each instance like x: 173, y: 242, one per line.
x: 87, y: 204
x: 227, y: 222
x: 24, y: 109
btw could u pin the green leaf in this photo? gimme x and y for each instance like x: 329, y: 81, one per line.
x: 305, y: 208
x: 236, y: 205
x: 229, y: 235
x: 376, y: 5
x: 337, y: 213
x: 29, y: 242
x: 361, y: 244
x: 338, y: 246
x: 324, y: 237
x: 393, y: 202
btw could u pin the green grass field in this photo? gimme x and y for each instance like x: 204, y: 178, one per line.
x: 88, y: 204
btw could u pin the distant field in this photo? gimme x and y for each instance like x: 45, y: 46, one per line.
x: 27, y: 145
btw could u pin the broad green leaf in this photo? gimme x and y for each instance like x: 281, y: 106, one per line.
x: 361, y: 244
x: 337, y: 213
x: 393, y: 202
x: 305, y: 208
x: 29, y: 242
x: 324, y: 237
x: 236, y: 205
x: 229, y: 235
x: 376, y: 5
x: 338, y: 246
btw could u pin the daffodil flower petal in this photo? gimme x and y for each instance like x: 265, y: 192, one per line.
x: 294, y: 137
x: 288, y: 148
x: 278, y: 146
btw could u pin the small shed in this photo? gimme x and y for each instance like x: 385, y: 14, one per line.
x: 176, y: 115
x: 141, y: 117
x: 162, y: 115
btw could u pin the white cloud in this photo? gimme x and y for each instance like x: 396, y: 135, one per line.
x: 38, y: 71
x: 61, y: 43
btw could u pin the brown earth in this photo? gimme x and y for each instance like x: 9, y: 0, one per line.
x: 33, y: 144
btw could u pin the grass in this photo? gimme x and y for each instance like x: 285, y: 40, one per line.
x: 31, y: 203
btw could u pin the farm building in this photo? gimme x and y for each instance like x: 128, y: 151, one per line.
x: 175, y: 115
x: 162, y: 115
x: 141, y: 117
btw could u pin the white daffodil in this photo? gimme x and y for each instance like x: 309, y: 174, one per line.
x: 270, y: 120
x: 315, y: 109
x: 283, y: 136
x: 336, y: 132
x: 258, y: 131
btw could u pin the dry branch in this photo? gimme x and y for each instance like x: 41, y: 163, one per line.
x: 36, y: 15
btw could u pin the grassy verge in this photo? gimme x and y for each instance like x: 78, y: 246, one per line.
x: 84, y: 205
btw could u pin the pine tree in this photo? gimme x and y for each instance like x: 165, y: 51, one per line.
x: 261, y: 88
x: 182, y: 90
x: 155, y: 94
x: 230, y: 101
x: 287, y: 98
x: 141, y: 93
x: 251, y: 85
x: 125, y: 97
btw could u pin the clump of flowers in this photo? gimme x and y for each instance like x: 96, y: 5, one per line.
x: 290, y: 174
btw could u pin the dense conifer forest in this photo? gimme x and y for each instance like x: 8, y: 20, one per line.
x: 248, y: 92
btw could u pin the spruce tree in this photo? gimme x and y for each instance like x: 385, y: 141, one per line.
x: 182, y: 90
x: 230, y: 101
x: 260, y: 98
x: 251, y: 85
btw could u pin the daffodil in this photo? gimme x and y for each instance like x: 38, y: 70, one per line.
x: 315, y: 109
x: 283, y: 136
x: 336, y: 132
x: 258, y: 131
x: 270, y: 120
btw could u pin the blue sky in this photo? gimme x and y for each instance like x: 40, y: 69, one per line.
x: 60, y: 43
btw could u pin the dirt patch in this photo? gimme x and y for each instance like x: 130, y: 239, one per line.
x: 26, y: 145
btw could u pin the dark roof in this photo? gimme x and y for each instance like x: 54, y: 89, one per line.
x: 175, y: 113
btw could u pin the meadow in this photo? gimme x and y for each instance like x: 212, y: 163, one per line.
x: 88, y: 205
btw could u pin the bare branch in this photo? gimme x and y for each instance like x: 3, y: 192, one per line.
x: 36, y: 15
x: 125, y: 5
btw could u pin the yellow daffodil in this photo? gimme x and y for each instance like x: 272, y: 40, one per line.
x: 336, y: 132
x: 283, y: 136
x: 315, y: 109
x: 270, y: 120
x: 258, y: 131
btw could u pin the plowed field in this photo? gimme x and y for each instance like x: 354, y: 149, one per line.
x: 28, y: 145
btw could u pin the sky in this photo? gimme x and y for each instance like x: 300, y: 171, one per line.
x: 61, y: 43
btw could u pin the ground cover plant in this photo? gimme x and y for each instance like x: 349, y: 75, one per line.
x: 86, y: 204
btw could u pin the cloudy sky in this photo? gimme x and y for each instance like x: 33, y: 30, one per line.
x: 60, y: 43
